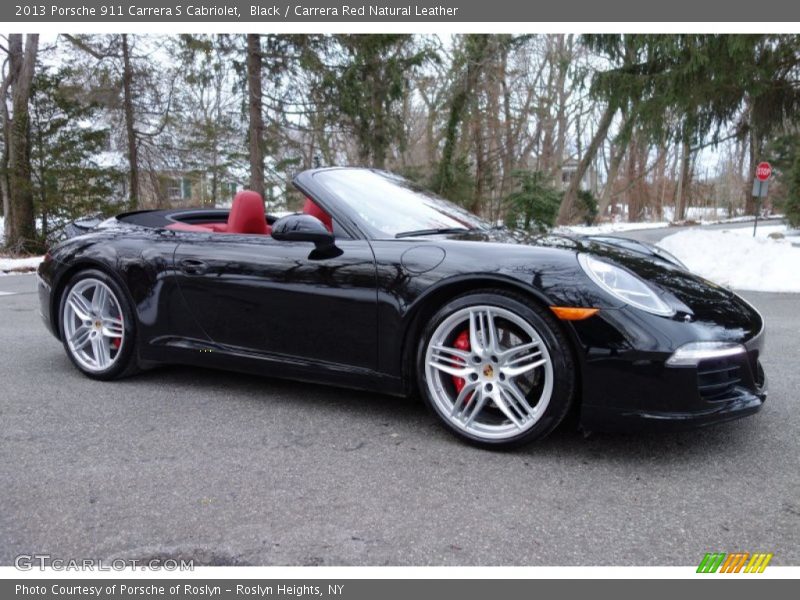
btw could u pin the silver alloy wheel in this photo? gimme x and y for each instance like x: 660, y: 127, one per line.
x: 506, y: 373
x: 93, y: 326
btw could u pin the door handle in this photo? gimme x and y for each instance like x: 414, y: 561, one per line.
x: 192, y: 266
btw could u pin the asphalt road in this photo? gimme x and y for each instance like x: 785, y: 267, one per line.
x: 656, y: 234
x: 233, y: 469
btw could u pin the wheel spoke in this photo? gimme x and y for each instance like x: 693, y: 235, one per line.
x: 99, y: 299
x: 501, y: 401
x: 517, y: 399
x: 513, y: 354
x: 521, y: 359
x: 80, y: 306
x: 476, y: 406
x: 112, y: 327
x: 101, y: 350
x: 462, y: 401
x: 482, y: 331
x: 80, y: 337
x: 519, y: 370
x: 451, y: 360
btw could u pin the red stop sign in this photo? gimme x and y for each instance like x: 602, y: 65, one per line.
x: 764, y: 171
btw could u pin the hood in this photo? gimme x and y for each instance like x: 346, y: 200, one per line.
x: 693, y: 297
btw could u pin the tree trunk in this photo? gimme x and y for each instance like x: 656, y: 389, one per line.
x: 681, y: 201
x: 475, y: 53
x: 634, y: 201
x: 755, y: 156
x: 642, y: 188
x: 480, y: 161
x: 14, y: 65
x: 130, y: 125
x: 658, y: 182
x: 571, y: 195
x: 563, y: 61
x: 22, y: 232
x: 379, y: 136
x: 508, y: 118
x: 256, y: 116
x: 617, y: 154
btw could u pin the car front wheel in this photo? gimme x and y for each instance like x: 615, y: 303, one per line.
x: 496, y: 369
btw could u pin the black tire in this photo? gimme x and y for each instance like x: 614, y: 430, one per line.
x: 546, y: 325
x: 124, y: 363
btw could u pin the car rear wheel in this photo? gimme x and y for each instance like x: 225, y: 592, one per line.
x: 496, y: 369
x: 97, y: 326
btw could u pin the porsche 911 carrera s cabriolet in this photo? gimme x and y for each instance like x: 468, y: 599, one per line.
x: 380, y: 285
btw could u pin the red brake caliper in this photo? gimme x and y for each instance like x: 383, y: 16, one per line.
x: 461, y: 343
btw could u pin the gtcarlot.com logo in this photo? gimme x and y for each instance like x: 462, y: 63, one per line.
x: 737, y: 562
x: 27, y: 562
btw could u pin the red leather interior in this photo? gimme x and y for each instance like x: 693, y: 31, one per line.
x: 178, y: 226
x: 247, y: 214
x: 311, y: 208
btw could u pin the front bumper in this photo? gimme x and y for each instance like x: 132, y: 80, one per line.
x: 45, y: 292
x: 712, y: 392
x: 636, y: 389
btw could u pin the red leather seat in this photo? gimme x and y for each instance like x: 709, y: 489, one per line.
x: 178, y: 226
x: 311, y: 208
x: 247, y: 214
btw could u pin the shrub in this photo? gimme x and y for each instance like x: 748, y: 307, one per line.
x: 587, y: 206
x: 535, y: 203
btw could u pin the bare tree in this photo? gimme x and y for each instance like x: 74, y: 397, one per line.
x: 571, y: 194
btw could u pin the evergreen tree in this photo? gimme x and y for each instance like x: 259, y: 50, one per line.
x: 68, y: 182
x: 792, y: 205
x: 364, y: 86
x: 534, y: 205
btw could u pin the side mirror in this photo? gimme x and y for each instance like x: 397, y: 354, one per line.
x: 302, y: 228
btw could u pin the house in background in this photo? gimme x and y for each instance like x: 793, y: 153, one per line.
x: 180, y: 189
x: 570, y: 169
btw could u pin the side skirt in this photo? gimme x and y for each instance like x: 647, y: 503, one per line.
x: 202, y: 353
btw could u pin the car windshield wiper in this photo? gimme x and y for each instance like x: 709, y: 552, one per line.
x: 403, y: 234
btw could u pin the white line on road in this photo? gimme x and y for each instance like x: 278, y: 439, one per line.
x: 7, y: 293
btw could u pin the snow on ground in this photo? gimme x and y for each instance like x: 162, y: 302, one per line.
x: 12, y: 266
x: 15, y: 266
x: 611, y: 227
x: 710, y: 214
x: 738, y: 261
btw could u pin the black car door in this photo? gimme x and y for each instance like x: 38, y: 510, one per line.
x: 258, y: 294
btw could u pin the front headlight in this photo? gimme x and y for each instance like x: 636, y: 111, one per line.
x: 624, y: 285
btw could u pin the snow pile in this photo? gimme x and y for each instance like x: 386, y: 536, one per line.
x: 19, y: 265
x: 762, y: 230
x: 737, y: 261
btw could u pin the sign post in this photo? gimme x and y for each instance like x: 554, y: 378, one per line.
x: 760, y: 187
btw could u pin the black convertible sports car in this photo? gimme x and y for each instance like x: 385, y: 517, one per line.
x: 383, y: 286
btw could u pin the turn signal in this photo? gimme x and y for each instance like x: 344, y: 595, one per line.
x: 568, y: 313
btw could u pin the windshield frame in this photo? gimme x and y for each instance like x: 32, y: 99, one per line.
x: 310, y: 181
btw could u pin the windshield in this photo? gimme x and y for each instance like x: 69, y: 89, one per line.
x: 390, y: 205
